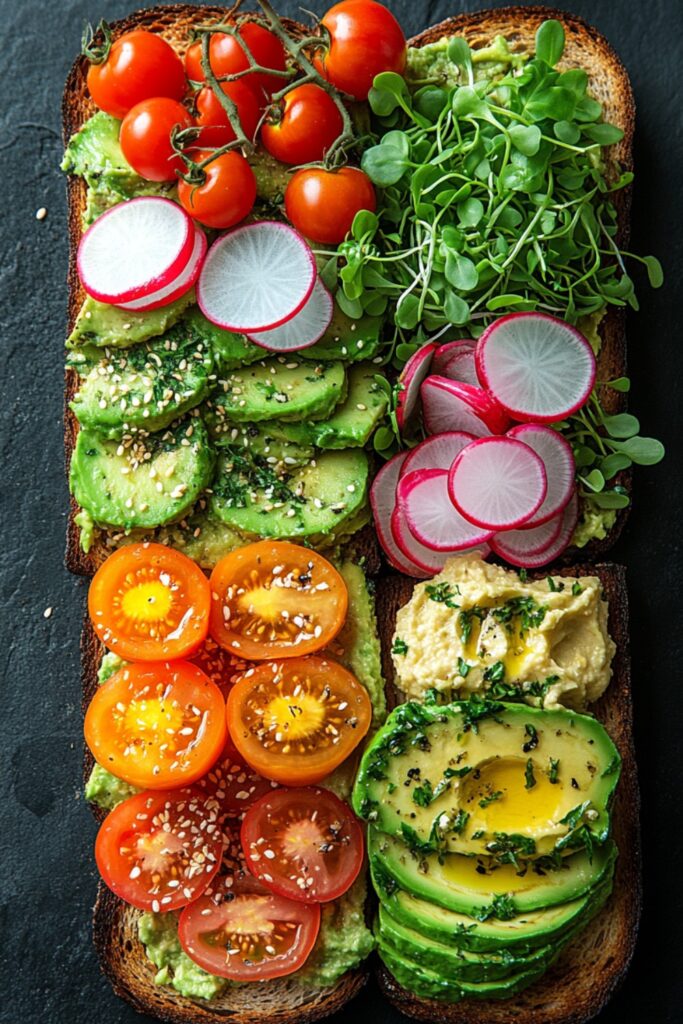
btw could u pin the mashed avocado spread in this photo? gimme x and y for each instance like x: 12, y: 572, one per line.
x: 344, y: 940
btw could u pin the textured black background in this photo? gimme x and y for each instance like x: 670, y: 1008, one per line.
x: 47, y: 876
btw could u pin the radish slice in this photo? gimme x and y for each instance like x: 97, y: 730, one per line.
x: 256, y: 277
x: 560, y: 468
x: 383, y: 502
x: 462, y: 367
x: 497, y: 483
x: 437, y: 452
x: 412, y: 375
x: 423, y: 498
x: 538, y: 367
x: 135, y: 248
x: 449, y: 405
x: 430, y: 562
x: 529, y: 541
x: 506, y: 544
x: 180, y: 285
x: 446, y: 352
x: 305, y: 328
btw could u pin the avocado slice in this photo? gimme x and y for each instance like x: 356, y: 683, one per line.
x: 143, y: 481
x: 347, y: 339
x: 309, y: 501
x: 145, y: 387
x: 110, y: 327
x: 454, y: 963
x: 478, y: 886
x: 520, y: 934
x: 264, y: 440
x: 490, y: 779
x: 230, y: 350
x: 354, y: 420
x: 280, y: 389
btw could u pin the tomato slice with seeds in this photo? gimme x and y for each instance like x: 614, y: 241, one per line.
x: 222, y: 667
x: 148, y: 602
x: 249, y: 935
x: 274, y: 599
x: 294, y: 721
x: 234, y: 783
x: 305, y: 844
x: 157, y: 725
x: 159, y: 851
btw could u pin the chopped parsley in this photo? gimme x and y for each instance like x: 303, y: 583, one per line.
x: 443, y: 593
x: 501, y: 907
x: 532, y: 742
x: 463, y: 668
x: 400, y: 646
x: 460, y: 821
x: 553, y: 770
x: 507, y: 845
x: 495, y: 673
x: 529, y: 777
x: 576, y: 588
x: 490, y: 799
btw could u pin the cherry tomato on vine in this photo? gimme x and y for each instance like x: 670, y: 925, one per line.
x: 226, y: 196
x: 305, y: 844
x: 251, y: 935
x: 216, y: 129
x: 273, y: 599
x: 322, y: 204
x: 309, y: 124
x: 365, y: 39
x: 295, y: 721
x: 159, y: 851
x: 157, y: 725
x: 146, y: 138
x: 139, y: 66
x: 227, y: 57
x: 148, y: 602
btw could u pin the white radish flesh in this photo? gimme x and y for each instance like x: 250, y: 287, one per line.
x: 498, y: 483
x: 383, y: 503
x: 560, y: 468
x: 425, y: 502
x: 305, y: 328
x: 450, y: 405
x: 529, y: 541
x: 462, y: 367
x: 177, y: 287
x: 412, y: 375
x: 135, y: 248
x: 445, y: 352
x: 539, y: 368
x: 437, y: 452
x: 256, y: 277
x: 509, y: 551
x: 430, y: 562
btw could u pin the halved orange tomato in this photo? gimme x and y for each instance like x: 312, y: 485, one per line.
x: 148, y: 602
x: 274, y: 599
x: 157, y: 725
x: 158, y: 851
x: 294, y: 721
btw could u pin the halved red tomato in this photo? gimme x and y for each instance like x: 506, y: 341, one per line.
x: 157, y: 725
x: 249, y: 935
x: 148, y: 602
x: 274, y: 599
x: 295, y: 721
x: 159, y: 851
x: 235, y: 784
x: 305, y: 844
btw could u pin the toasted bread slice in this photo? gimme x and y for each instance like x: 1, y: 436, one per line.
x: 588, y: 971
x: 585, y: 47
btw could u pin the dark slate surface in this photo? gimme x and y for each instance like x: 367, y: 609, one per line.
x: 47, y: 878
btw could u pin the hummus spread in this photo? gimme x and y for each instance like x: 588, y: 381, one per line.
x: 479, y: 628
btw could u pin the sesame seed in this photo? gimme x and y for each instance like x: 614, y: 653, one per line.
x: 41, y: 213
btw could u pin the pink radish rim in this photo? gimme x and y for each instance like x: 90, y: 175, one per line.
x: 482, y: 404
x: 382, y: 516
x: 569, y: 518
x: 407, y: 484
x: 501, y: 541
x: 175, y: 268
x: 523, y: 428
x: 495, y: 527
x: 283, y: 320
x: 431, y: 442
x: 410, y: 377
x: 402, y: 535
x: 328, y: 297
x: 182, y: 284
x: 517, y: 414
x: 448, y: 350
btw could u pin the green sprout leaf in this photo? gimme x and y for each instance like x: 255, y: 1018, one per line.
x: 550, y: 42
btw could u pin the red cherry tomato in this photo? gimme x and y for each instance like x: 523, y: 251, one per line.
x: 309, y: 124
x: 305, y: 844
x: 250, y: 935
x: 159, y: 851
x: 322, y: 204
x: 227, y: 57
x: 216, y: 129
x: 139, y: 66
x: 226, y: 196
x: 146, y: 138
x: 365, y: 39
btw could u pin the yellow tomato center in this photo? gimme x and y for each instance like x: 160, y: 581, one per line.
x: 147, y: 602
x: 153, y: 715
x: 294, y: 717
